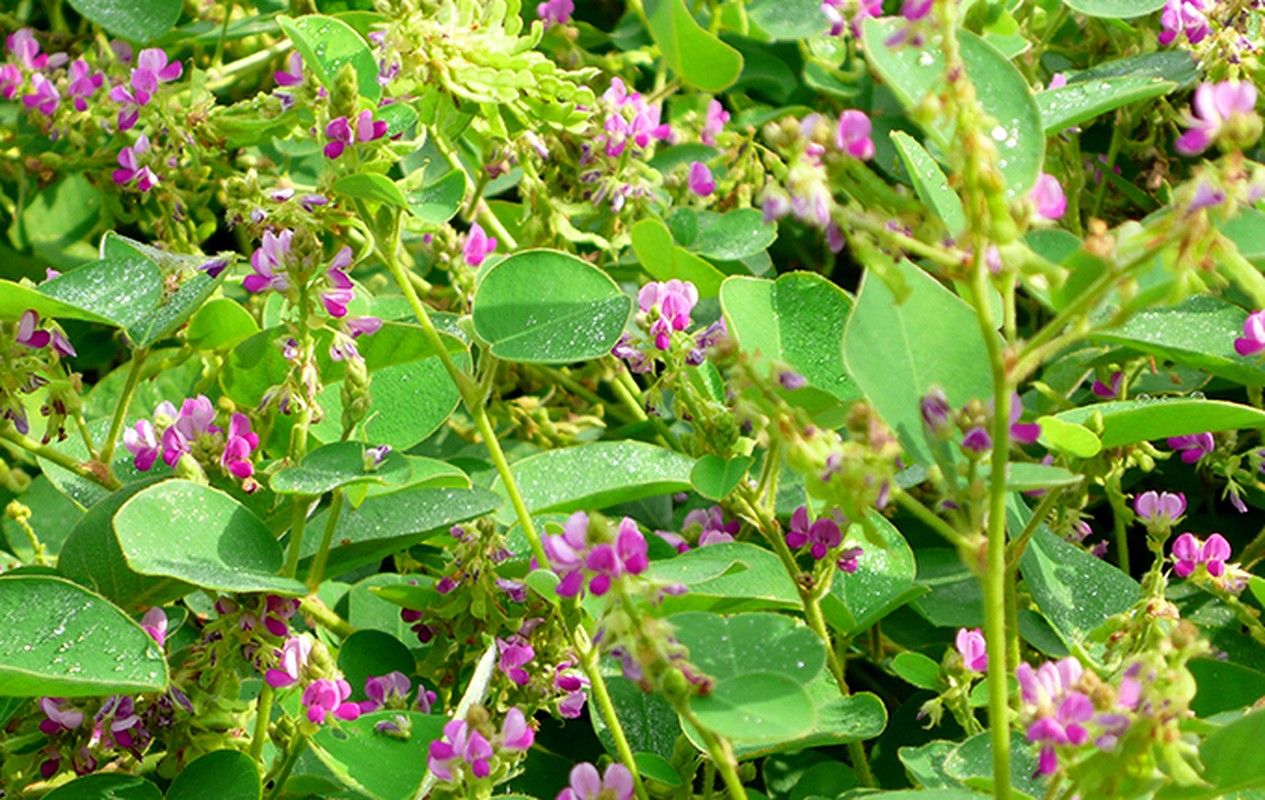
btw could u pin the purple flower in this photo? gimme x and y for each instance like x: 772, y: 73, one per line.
x: 10, y: 80
x: 116, y: 724
x: 700, y: 179
x: 241, y: 443
x: 516, y: 591
x: 566, y: 552
x: 1184, y: 17
x: 155, y: 624
x: 1253, y: 339
x: 342, y: 135
x: 1111, y: 389
x: 478, y: 246
x: 1047, y: 197
x: 142, y: 443
x: 1189, y: 552
x: 674, y: 301
x: 1206, y: 196
x: 1021, y: 432
x: 1064, y: 726
x: 616, y: 783
x: 609, y: 561
x: 852, y: 136
x: 131, y: 110
x: 1160, y: 507
x: 61, y: 717
x: 23, y: 45
x: 294, y: 657
x: 83, y: 83
x: 1215, y: 106
x: 823, y: 534
x: 389, y: 690
x: 792, y: 380
x: 269, y: 263
x: 713, y: 123
x: 515, y: 652
x: 570, y: 680
x: 461, y: 744
x: 935, y: 411
x: 848, y: 559
x: 515, y: 735
x: 341, y: 294
x: 295, y: 76
x: 977, y: 441
x: 131, y: 169
x: 1048, y: 683
x: 152, y: 68
x: 323, y: 697
x: 555, y: 12
x: 44, y: 96
x: 913, y: 12
x: 1192, y: 447
x: 973, y: 649
x: 28, y: 334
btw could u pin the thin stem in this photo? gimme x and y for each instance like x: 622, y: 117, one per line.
x: 228, y: 74
x: 320, y: 613
x: 291, y: 758
x: 317, y: 570
x: 929, y: 518
x: 101, y: 478
x: 263, y: 715
x: 720, y: 752
x: 602, y: 697
x: 106, y: 454
x: 298, y: 521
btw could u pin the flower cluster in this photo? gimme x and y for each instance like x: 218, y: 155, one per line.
x: 1185, y: 18
x: 974, y: 420
x: 822, y: 537
x: 469, y: 751
x: 571, y: 682
x: 1191, y: 552
x: 665, y: 310
x: 131, y: 170
x: 1223, y: 112
x: 31, y: 351
x: 152, y: 68
x: 342, y: 134
x: 192, y: 431
x: 580, y: 552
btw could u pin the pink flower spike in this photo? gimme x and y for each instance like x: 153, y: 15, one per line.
x: 1253, y: 339
x: 713, y: 123
x: 852, y: 136
x: 700, y: 179
x: 1214, y: 106
x: 516, y: 734
x: 1048, y: 198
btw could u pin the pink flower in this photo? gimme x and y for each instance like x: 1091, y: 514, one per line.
x: 1110, y: 390
x: 155, y: 624
x: 1160, y: 507
x: 83, y: 83
x: 566, y: 552
x: 616, y: 783
x: 61, y: 717
x: 700, y: 179
x: 130, y: 166
x: 555, y: 12
x: 152, y: 68
x: 29, y: 334
x: 1193, y: 447
x: 515, y: 652
x: 1047, y: 197
x: 1184, y: 17
x: 23, y: 45
x: 852, y: 136
x: 515, y: 735
x: 609, y: 561
x: 674, y: 301
x: 823, y: 534
x: 294, y: 657
x: 478, y: 246
x: 1253, y: 339
x: 241, y: 443
x: 388, y: 690
x: 973, y: 649
x: 342, y: 135
x: 295, y: 76
x: 268, y: 262
x: 142, y: 444
x: 1189, y: 552
x: 44, y: 96
x: 713, y: 122
x: 1215, y: 106
x: 461, y: 744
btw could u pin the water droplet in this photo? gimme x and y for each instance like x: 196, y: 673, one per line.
x: 1198, y: 395
x: 925, y: 59
x: 999, y: 133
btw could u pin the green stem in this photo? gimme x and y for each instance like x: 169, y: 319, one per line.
x: 601, y: 696
x: 60, y: 459
x: 263, y: 715
x: 298, y: 521
x: 106, y: 454
x: 321, y: 614
x: 929, y: 518
x: 226, y: 76
x: 291, y: 758
x: 721, y: 754
x: 317, y: 570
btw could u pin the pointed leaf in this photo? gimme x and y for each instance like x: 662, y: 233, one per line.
x: 1129, y: 421
x: 327, y: 45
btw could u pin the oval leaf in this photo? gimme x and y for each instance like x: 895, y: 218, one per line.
x: 222, y: 775
x: 549, y: 307
x: 127, y: 19
x: 714, y: 477
x: 61, y: 640
x: 106, y: 786
x: 381, y: 766
x: 757, y: 707
x: 664, y: 260
x: 698, y: 57
x: 374, y: 188
x: 1080, y: 102
x: 1114, y: 9
x: 884, y: 582
x: 327, y: 45
x: 1130, y: 421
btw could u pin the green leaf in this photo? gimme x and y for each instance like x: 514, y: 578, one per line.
x: 119, y: 291
x: 58, y: 223
x: 1057, y: 573
x: 1069, y: 437
x: 728, y: 577
x: 1247, y: 231
x: 549, y: 307
x: 930, y: 183
x: 788, y: 19
x: 379, y: 766
x: 699, y: 58
x: 342, y: 464
x: 1224, y: 686
x: 221, y: 775
x: 1177, y: 66
x: 1130, y: 421
x: 1030, y: 477
x: 183, y: 530
x: 1080, y: 102
x: 664, y: 260
x: 714, y: 478
x: 371, y: 187
x: 61, y: 640
x: 914, y: 72
x: 106, y: 786
x: 733, y: 235
x: 327, y: 45
x: 372, y: 654
x: 1198, y: 333
x: 597, y: 475
x: 1114, y: 9
x: 648, y: 720
x: 971, y: 763
x: 656, y: 767
x: 725, y: 647
x: 757, y: 708
x: 399, y: 117
x: 884, y: 582
x: 918, y: 670
x: 438, y: 202
x: 220, y: 324
x: 798, y: 320
x: 91, y: 557
x: 896, y: 351
x: 136, y: 22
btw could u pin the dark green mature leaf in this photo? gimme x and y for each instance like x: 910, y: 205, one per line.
x: 1177, y: 66
x: 647, y: 719
x: 757, y: 708
x: 1114, y: 9
x: 549, y: 307
x: 734, y: 235
x: 122, y: 291
x: 913, y: 72
x: 788, y: 19
x: 799, y: 320
x: 1224, y: 686
x: 221, y: 775
x: 183, y: 530
x: 377, y: 765
x: 106, y: 786
x: 372, y: 654
x: 971, y: 763
x: 1129, y: 421
x: 1080, y: 102
x: 327, y: 45
x: 343, y: 464
x: 918, y: 669
x: 593, y: 476
x: 129, y: 20
x: 884, y: 582
x: 1198, y: 333
x: 896, y: 351
x: 723, y: 647
x: 1231, y: 756
x: 728, y: 577
x: 371, y: 187
x: 59, y: 639
x: 698, y: 57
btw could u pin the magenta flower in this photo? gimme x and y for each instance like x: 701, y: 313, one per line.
x: 152, y: 68
x: 155, y: 624
x: 478, y: 246
x: 1253, y: 339
x: 977, y: 441
x: 712, y: 526
x: 973, y: 649
x: 294, y: 657
x: 936, y: 411
x: 700, y: 179
x: 116, y: 724
x: 852, y: 136
x: 341, y: 294
x: 573, y: 682
x: 10, y: 81
x: 1021, y: 432
x: 237, y: 449
x: 389, y: 690
x: 1160, y: 507
x: 324, y: 697
x: 1192, y: 447
x: 1189, y: 552
x: 342, y: 135
x: 823, y: 534
x: 460, y: 745
x: 515, y: 652
x: 849, y: 559
x: 1110, y: 390
x: 131, y: 170
x: 61, y: 717
x: 295, y: 76
x: 616, y: 783
x: 1047, y: 197
x: 83, y: 83
x: 23, y: 45
x: 674, y: 301
x: 44, y: 96
x: 713, y: 123
x: 142, y: 443
x: 269, y: 263
x: 1215, y: 106
x: 1064, y: 726
x: 1184, y: 17
x: 566, y: 552
x: 29, y: 334
x: 555, y: 12
x: 610, y: 561
x: 515, y: 735
x: 195, y: 419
